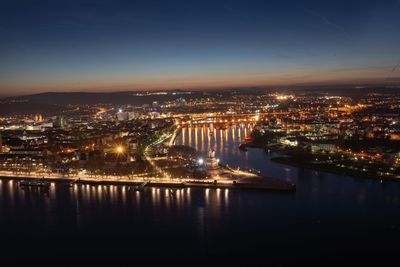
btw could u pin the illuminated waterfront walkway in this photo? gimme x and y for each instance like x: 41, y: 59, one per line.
x: 265, y: 184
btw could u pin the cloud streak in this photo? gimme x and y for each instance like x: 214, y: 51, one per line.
x: 393, y: 70
x: 327, y: 21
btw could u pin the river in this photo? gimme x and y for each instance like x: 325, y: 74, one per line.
x: 330, y: 219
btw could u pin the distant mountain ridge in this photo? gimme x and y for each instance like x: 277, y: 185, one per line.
x: 52, y: 103
x: 123, y: 98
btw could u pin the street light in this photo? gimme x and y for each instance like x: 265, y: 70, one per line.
x: 119, y: 149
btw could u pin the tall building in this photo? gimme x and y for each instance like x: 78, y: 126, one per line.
x: 59, y: 122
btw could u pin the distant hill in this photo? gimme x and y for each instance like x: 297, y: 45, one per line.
x: 25, y: 108
x: 53, y: 103
x: 122, y: 98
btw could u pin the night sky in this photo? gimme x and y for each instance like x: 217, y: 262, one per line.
x: 122, y: 45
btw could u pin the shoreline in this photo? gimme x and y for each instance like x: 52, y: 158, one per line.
x: 287, y: 160
x: 290, y: 161
x: 267, y: 185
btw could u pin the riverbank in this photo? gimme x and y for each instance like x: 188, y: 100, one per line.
x: 330, y: 168
x: 252, y: 144
x: 262, y: 184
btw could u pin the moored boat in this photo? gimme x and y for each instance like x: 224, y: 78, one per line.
x: 243, y: 147
x: 35, y: 182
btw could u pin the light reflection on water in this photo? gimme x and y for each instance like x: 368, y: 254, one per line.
x: 224, y: 141
x: 103, y: 195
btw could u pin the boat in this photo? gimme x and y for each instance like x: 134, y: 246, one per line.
x: 242, y: 147
x: 140, y: 187
x: 35, y: 183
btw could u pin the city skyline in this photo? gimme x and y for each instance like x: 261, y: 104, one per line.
x: 108, y: 46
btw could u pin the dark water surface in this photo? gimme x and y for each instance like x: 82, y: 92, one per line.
x: 330, y: 220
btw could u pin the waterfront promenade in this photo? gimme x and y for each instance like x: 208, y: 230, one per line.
x: 260, y: 183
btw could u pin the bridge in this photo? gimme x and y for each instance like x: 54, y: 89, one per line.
x: 224, y: 120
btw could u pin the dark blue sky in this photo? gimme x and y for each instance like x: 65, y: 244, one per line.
x: 117, y: 45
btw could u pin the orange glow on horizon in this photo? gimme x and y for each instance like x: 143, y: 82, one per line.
x: 193, y: 81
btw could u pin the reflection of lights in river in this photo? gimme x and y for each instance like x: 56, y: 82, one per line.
x: 188, y: 195
x: 202, y: 138
x: 221, y: 145
x: 226, y: 196
x: 183, y: 135
x: 196, y: 137
x: 90, y: 195
x: 208, y: 139
x: 11, y: 188
x: 190, y: 135
x: 123, y: 195
x: 137, y: 197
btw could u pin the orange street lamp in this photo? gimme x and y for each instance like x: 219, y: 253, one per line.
x: 119, y: 149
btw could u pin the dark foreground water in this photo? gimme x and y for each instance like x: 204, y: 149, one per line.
x: 330, y: 220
